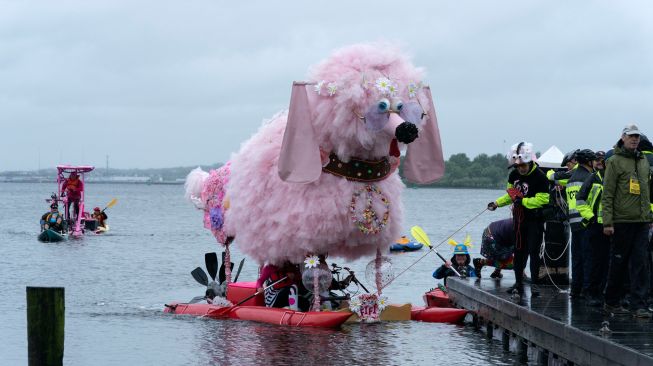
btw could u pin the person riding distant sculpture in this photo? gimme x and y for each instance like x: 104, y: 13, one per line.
x: 73, y: 187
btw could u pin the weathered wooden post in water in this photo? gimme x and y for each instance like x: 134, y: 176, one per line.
x: 45, y: 325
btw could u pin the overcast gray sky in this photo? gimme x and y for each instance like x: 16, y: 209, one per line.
x: 163, y: 83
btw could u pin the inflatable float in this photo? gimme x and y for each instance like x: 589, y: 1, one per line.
x: 403, y: 244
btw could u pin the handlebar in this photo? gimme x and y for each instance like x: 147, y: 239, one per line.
x: 335, y: 298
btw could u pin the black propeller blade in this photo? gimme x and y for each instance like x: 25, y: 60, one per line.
x: 240, y: 267
x: 200, y: 276
x: 211, y: 260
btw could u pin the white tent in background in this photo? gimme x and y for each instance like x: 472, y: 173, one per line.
x: 551, y: 158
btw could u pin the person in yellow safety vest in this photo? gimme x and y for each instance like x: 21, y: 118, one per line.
x: 580, y: 264
x: 588, y: 204
x: 528, y: 191
x: 562, y: 177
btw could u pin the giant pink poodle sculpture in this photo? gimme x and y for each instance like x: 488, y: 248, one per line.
x: 321, y: 177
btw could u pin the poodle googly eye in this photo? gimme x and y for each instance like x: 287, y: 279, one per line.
x: 383, y: 105
x: 397, y: 105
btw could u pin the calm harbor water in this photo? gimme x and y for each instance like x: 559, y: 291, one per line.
x: 116, y: 286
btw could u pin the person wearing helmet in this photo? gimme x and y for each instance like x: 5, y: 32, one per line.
x: 100, y: 216
x: 562, y: 177
x: 580, y: 250
x: 588, y: 204
x: 646, y: 148
x: 460, y: 261
x: 627, y: 215
x: 528, y: 192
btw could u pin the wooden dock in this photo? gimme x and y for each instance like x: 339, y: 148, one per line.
x: 551, y: 328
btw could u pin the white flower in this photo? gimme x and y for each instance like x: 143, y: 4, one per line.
x: 392, y: 90
x: 355, y: 305
x: 318, y: 87
x: 331, y: 88
x: 383, y: 84
x: 382, y: 302
x: 311, y: 261
x: 412, y: 90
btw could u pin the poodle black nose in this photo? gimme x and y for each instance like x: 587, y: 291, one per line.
x: 406, y: 132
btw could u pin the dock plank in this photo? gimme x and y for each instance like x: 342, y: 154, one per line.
x: 565, y: 327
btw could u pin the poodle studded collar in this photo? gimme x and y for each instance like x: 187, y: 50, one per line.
x: 358, y: 170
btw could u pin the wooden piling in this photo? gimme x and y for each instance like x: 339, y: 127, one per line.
x: 45, y: 325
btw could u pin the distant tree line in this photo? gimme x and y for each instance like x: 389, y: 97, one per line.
x: 460, y: 172
x: 482, y: 172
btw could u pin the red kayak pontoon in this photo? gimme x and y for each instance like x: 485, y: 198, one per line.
x: 437, y: 315
x: 254, y: 310
x: 437, y: 298
x: 323, y: 319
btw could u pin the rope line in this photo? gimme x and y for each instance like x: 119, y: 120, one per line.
x: 543, y: 254
x: 431, y: 250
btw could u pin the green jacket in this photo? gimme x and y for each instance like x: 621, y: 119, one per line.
x: 621, y: 203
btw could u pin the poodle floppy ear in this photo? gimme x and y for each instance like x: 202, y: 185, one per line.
x: 299, y: 159
x: 424, y: 162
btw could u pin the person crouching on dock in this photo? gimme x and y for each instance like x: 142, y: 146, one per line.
x: 498, y: 248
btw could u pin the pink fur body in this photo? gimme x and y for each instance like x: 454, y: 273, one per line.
x: 275, y: 220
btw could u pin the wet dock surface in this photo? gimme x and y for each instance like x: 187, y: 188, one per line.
x: 556, y: 324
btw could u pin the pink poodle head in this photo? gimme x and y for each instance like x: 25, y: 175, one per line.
x: 362, y: 102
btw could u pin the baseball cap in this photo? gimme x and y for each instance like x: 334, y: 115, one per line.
x: 631, y: 130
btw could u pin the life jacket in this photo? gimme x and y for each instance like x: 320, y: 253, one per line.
x: 52, y: 217
x: 589, y: 202
x: 573, y: 187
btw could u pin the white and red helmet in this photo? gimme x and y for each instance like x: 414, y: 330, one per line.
x: 521, y: 153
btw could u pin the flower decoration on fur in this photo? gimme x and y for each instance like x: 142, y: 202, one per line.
x: 412, y: 90
x: 383, y: 85
x: 392, y: 90
x: 331, y: 88
x: 217, y: 219
x: 382, y: 302
x: 318, y: 87
x: 371, y: 222
x: 311, y: 261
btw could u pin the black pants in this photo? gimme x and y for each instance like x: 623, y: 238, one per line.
x: 529, y: 239
x: 581, y: 261
x: 75, y: 205
x: 599, y: 247
x: 629, y: 252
